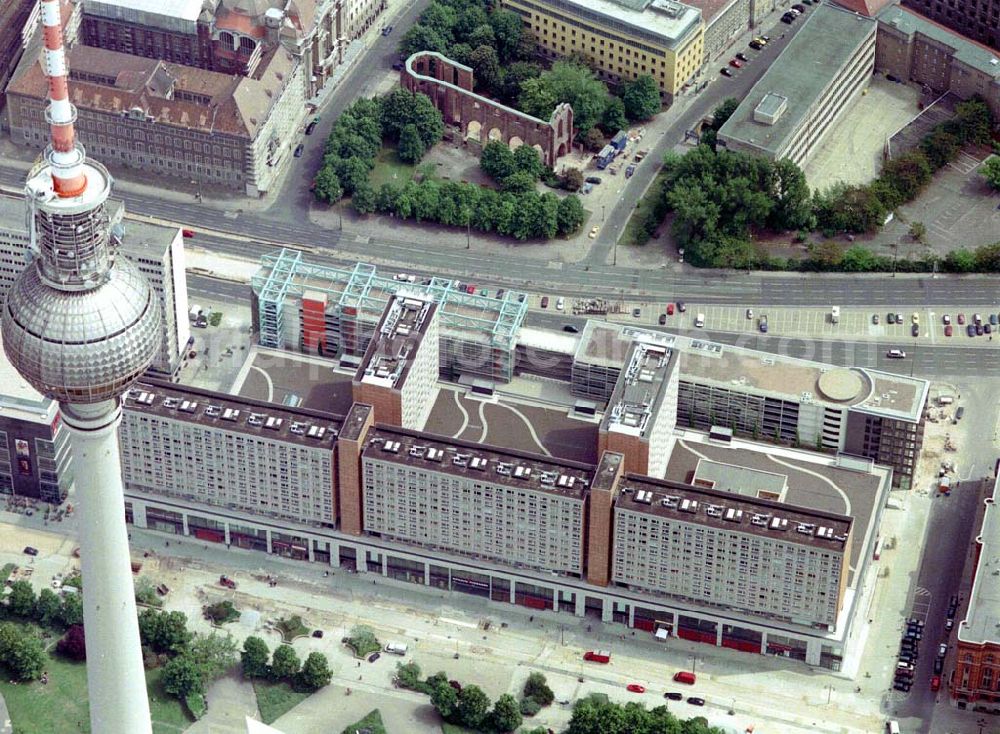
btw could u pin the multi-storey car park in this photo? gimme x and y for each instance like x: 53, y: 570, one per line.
x: 478, y: 332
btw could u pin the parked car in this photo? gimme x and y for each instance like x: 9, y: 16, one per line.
x: 900, y: 686
x: 742, y: 56
x: 947, y: 330
x: 593, y: 179
x: 787, y: 18
x: 593, y: 231
x: 560, y: 303
x: 993, y: 319
x: 570, y: 329
x: 979, y: 329
x: 961, y: 319
x: 318, y: 634
x: 762, y: 324
x: 938, y: 665
x: 896, y: 354
x: 915, y: 330
x: 756, y: 45
x: 942, y: 649
x: 946, y: 319
x: 310, y: 127
x: 670, y: 309
x: 397, y: 66
x: 637, y: 312
x: 948, y: 624
x: 298, y: 150
x: 30, y: 550
x: 636, y: 688
x: 890, y: 318
x: 187, y: 233
x: 875, y: 319
x: 725, y: 72
x: 800, y: 7
x: 674, y: 696
x: 695, y: 701
x: 970, y: 329
x: 681, y: 306
x: 987, y: 329
x: 977, y: 318
x: 899, y: 318
x: 545, y: 301
x: 936, y: 683
x: 735, y: 63
x: 373, y: 657
x: 662, y: 319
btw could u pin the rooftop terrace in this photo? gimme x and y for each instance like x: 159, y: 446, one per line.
x: 982, y: 620
x: 392, y: 350
x: 640, y: 389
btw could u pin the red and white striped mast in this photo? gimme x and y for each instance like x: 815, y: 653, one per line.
x: 64, y: 156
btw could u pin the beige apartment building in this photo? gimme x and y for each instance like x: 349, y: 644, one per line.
x: 622, y: 39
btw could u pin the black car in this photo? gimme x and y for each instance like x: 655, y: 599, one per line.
x: 756, y: 45
x: 742, y: 56
x: 987, y: 329
x: 970, y: 329
x: 787, y: 18
x: 681, y: 306
x: 318, y: 634
x: 570, y: 329
x: 662, y: 319
x: 890, y: 318
x: 725, y: 71
x: 31, y: 551
x: 800, y: 7
x: 938, y: 665
x: 298, y: 150
x: 398, y: 66
x: 979, y: 329
x: 695, y: 701
x: 904, y: 687
x: 593, y: 179
x: 674, y: 696
x: 907, y: 658
x: 310, y: 127
x: 373, y: 657
x: 915, y: 330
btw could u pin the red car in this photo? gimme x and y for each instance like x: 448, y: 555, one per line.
x: 670, y: 309
x: 936, y: 683
x: 187, y: 232
x: 961, y: 318
x: 947, y: 330
x: 545, y: 301
x: 636, y: 688
x: 736, y: 63
x: 470, y: 289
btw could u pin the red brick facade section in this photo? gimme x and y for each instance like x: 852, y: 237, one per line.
x: 600, y: 519
x: 386, y: 402
x: 349, y: 445
x: 634, y: 449
x: 450, y: 84
x: 313, y: 324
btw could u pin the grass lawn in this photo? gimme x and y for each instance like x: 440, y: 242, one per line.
x: 372, y: 721
x: 388, y: 168
x: 447, y: 728
x: 61, y: 706
x: 5, y: 573
x: 276, y: 699
x: 638, y: 215
x: 291, y: 627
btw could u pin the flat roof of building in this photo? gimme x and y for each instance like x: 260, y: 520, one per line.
x: 734, y: 512
x: 743, y: 480
x: 711, y: 10
x: 976, y: 55
x: 829, y: 36
x: 982, y: 619
x: 800, y: 380
x: 605, y: 344
x: 479, y: 461
x: 310, y: 428
x: 488, y: 319
x: 664, y: 22
x: 294, y: 379
x: 640, y: 389
x: 399, y: 335
x: 188, y: 10
x: 841, y: 487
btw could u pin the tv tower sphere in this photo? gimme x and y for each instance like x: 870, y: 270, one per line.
x: 81, y: 324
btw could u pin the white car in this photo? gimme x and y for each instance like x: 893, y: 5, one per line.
x: 946, y: 319
x: 896, y: 354
x: 560, y: 304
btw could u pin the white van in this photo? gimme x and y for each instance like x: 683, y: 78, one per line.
x: 699, y: 320
x: 396, y: 648
x: 891, y: 727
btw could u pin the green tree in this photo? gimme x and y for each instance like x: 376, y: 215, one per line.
x: 444, y: 699
x: 988, y: 258
x: 514, y: 77
x: 285, y: 663
x: 594, y: 140
x: 408, y: 674
x: 790, y: 197
x: 213, y: 653
x: 940, y: 147
x: 527, y: 160
x: 723, y: 112
x: 353, y: 172
x: 918, y: 231
x: 486, y: 68
x: 315, y: 673
x: 506, y: 716
x: 975, y: 122
x: 473, y: 705
x: 25, y: 658
x: 991, y: 172
x: 858, y: 259
x: 182, y: 678
x: 529, y: 707
x: 537, y: 688
x: 508, y: 30
x: 364, y: 199
x: 959, y: 261
x: 327, y: 185
x: 21, y: 599
x: 613, y: 119
x: 254, y: 658
x: 572, y: 179
x: 908, y: 174
x: 72, y: 610
x: 400, y: 108
x: 497, y: 160
x: 518, y: 182
x: 411, y: 146
x: 641, y: 97
x: 569, y: 82
x: 441, y: 18
x: 469, y: 19
x: 422, y: 38
x: 570, y: 215
x: 48, y: 607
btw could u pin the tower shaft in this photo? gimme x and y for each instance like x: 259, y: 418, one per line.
x: 116, y: 682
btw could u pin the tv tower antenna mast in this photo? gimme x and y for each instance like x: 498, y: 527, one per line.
x: 81, y: 324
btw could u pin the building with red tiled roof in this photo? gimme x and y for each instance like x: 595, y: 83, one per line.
x: 169, y: 119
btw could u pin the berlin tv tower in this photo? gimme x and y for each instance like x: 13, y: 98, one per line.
x: 81, y: 324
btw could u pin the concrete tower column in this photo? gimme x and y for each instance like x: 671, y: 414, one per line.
x: 115, y: 678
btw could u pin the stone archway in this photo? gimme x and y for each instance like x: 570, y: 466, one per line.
x: 541, y: 151
x: 496, y: 134
x: 474, y: 130
x: 515, y: 142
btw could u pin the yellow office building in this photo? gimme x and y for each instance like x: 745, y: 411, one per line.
x: 621, y: 38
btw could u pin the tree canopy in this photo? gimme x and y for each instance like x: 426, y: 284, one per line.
x: 641, y: 98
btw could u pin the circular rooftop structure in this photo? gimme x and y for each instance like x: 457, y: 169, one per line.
x: 841, y: 385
